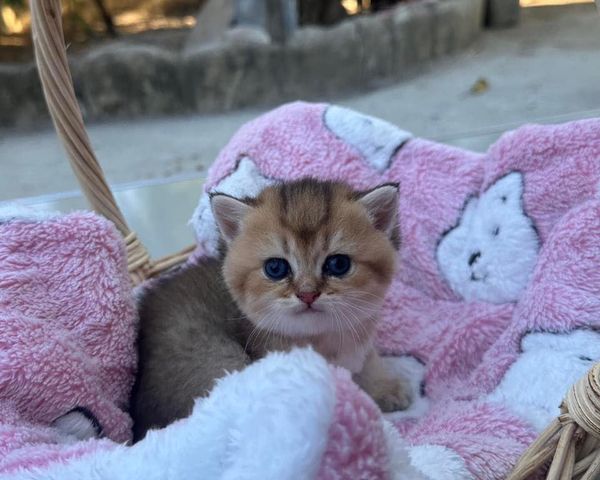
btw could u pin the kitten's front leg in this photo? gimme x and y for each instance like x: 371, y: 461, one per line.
x: 390, y: 392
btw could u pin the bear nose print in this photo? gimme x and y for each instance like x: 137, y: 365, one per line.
x: 308, y: 297
x: 474, y: 257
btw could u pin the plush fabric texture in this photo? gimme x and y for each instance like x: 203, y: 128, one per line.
x: 494, y: 313
x: 356, y: 446
x: 497, y: 297
x: 66, y: 333
x: 288, y: 416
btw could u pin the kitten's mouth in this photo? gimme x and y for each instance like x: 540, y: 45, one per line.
x: 309, y: 309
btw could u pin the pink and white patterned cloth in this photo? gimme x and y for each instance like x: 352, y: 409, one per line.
x: 495, y: 310
x: 493, y: 315
x: 67, y: 332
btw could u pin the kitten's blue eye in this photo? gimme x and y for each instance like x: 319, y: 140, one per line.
x: 337, y: 265
x: 277, y: 268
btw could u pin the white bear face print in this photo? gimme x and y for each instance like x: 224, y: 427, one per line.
x: 549, y: 364
x: 245, y: 181
x: 376, y: 139
x: 490, y: 254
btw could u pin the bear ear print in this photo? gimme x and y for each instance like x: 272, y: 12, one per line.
x: 465, y: 218
x: 245, y: 174
x: 376, y: 140
x: 245, y: 181
x: 508, y: 190
x: 469, y: 211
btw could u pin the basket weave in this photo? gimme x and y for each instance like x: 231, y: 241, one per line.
x: 569, y: 448
x: 53, y: 68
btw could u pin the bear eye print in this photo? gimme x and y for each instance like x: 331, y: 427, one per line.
x: 583, y: 358
x: 496, y: 231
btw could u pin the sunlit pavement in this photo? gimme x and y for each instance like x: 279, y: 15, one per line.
x: 547, y: 70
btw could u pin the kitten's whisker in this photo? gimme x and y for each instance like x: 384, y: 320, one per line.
x: 270, y: 329
x: 257, y: 330
x: 243, y: 317
x: 363, y: 301
x: 364, y: 312
x: 340, y: 331
x: 359, y: 322
x: 366, y: 308
x: 265, y: 327
x: 361, y: 326
x: 355, y: 324
x: 251, y: 338
x: 353, y: 331
x: 363, y: 293
x: 358, y: 302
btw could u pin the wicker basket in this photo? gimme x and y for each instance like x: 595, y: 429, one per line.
x: 570, y: 446
x: 53, y: 68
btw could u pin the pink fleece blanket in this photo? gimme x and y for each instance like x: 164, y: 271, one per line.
x: 66, y: 334
x: 496, y: 306
x: 493, y: 315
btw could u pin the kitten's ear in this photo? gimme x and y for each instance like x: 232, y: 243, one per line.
x: 382, y: 206
x: 229, y: 213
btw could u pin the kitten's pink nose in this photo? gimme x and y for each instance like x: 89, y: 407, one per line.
x: 308, y: 297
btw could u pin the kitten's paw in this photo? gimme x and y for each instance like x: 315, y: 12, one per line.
x: 396, y: 395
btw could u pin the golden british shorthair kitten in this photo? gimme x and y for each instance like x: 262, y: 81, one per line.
x: 308, y: 263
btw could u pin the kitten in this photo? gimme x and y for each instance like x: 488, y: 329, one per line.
x: 191, y: 333
x: 307, y: 262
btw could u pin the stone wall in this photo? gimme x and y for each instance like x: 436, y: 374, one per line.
x: 132, y: 80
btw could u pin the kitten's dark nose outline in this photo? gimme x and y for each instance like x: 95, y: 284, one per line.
x: 474, y: 257
x: 308, y: 297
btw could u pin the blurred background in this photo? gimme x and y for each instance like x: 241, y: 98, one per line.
x: 163, y: 84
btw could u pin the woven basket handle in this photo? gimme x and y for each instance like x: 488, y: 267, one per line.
x: 53, y: 68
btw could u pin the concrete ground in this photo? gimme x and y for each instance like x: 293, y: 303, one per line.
x: 547, y: 70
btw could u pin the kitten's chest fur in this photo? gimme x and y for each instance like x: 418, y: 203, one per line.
x: 340, y: 348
